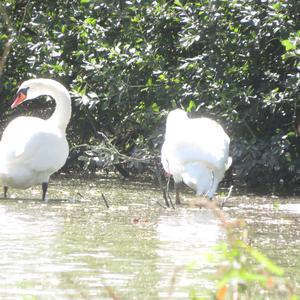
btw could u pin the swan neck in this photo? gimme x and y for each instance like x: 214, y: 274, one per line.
x: 62, y: 113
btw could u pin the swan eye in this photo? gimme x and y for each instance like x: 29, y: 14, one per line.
x: 23, y: 91
x: 20, y: 97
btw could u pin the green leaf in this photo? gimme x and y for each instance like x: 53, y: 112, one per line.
x: 155, y: 107
x: 192, y: 106
x: 288, y: 45
x: 91, y: 21
x: 149, y: 82
x: 276, y: 6
x: 178, y: 3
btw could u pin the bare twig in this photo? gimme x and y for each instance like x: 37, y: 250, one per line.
x: 111, y: 293
x: 158, y: 175
x: 170, y: 201
x: 105, y: 200
x: 112, y: 149
x: 168, y: 185
x: 165, y: 191
x: 79, y: 194
x: 109, y: 147
x: 227, y: 197
x: 165, y: 198
x: 157, y: 202
x: 173, y: 281
x: 168, y: 194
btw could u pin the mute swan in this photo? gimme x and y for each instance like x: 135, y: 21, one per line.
x: 31, y: 148
x: 195, y: 151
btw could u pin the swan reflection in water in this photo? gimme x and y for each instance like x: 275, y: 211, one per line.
x: 186, y: 239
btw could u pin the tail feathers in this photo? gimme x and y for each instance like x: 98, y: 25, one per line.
x: 229, y: 162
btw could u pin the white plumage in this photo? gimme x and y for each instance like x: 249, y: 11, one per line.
x: 195, y: 151
x: 31, y: 149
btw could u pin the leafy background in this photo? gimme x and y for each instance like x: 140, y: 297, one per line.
x: 127, y: 63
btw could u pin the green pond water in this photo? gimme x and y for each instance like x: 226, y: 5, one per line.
x: 73, y: 247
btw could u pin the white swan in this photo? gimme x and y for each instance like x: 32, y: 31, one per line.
x: 31, y: 148
x: 195, y: 151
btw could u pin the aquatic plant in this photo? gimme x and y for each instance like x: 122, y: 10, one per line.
x: 244, y: 272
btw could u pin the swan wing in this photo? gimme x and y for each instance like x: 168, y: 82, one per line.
x: 16, y: 135
x: 29, y: 143
x: 197, y: 140
x: 44, y: 151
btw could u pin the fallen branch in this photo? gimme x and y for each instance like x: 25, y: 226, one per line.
x: 79, y: 194
x: 105, y: 200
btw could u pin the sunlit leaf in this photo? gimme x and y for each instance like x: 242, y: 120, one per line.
x: 288, y: 45
x: 155, y: 107
x: 90, y: 20
x: 178, y: 3
x: 192, y: 106
x: 149, y: 81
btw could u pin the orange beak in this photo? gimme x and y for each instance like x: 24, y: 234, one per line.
x: 19, y: 98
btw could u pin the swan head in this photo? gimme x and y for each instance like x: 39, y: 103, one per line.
x: 33, y: 88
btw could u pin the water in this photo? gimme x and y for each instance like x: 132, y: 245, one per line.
x: 73, y: 247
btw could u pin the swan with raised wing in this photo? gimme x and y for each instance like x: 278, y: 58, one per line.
x: 31, y: 148
x: 195, y: 151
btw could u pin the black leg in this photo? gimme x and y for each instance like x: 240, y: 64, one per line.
x: 44, y: 187
x: 5, y: 191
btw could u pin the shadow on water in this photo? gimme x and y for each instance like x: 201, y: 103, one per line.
x: 73, y: 246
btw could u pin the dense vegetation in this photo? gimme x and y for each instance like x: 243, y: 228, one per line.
x: 128, y: 63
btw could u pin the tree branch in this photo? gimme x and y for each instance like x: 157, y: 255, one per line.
x: 12, y: 34
x: 8, y: 44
